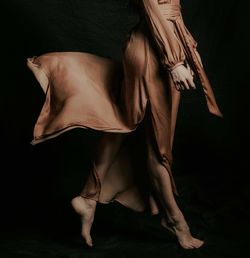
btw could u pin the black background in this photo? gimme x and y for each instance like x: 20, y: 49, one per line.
x: 210, y: 163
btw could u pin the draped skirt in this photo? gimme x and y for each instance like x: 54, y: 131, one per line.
x: 136, y: 97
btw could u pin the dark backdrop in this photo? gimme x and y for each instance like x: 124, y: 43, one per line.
x: 210, y: 165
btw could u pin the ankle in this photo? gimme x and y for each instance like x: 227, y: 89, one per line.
x: 174, y: 213
x: 88, y: 201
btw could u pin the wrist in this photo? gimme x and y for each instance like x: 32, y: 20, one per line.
x: 170, y: 69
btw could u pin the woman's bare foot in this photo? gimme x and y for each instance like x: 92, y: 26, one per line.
x: 86, y: 209
x: 178, y: 226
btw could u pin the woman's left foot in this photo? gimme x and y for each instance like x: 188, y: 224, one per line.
x: 86, y: 209
x: 179, y: 227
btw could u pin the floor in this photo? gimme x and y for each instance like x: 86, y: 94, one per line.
x: 215, y: 214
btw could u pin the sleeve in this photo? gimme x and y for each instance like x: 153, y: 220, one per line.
x: 170, y: 48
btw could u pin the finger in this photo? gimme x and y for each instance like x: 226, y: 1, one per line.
x: 177, y: 85
x: 191, y: 83
x: 185, y: 84
x: 180, y: 86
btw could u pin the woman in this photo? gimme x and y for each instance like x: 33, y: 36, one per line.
x: 159, y: 61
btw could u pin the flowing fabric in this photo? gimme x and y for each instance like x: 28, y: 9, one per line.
x: 89, y: 91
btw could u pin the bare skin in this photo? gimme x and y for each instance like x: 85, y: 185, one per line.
x: 107, y: 149
x: 183, y: 78
x: 86, y: 209
x: 173, y: 219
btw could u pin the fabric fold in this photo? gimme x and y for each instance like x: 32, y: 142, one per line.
x: 177, y: 44
x: 88, y: 91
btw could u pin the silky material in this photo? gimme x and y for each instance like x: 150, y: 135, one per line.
x: 171, y: 11
x: 88, y: 91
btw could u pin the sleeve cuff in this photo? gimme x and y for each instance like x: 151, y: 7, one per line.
x: 175, y: 66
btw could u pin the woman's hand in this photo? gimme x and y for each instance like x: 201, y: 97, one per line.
x: 183, y: 78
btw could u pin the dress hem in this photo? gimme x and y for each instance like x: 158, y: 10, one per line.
x: 46, y: 137
x: 120, y: 202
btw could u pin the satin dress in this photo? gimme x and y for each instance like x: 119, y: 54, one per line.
x: 88, y: 91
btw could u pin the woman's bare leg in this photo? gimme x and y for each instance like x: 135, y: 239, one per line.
x: 173, y: 218
x: 85, y: 203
